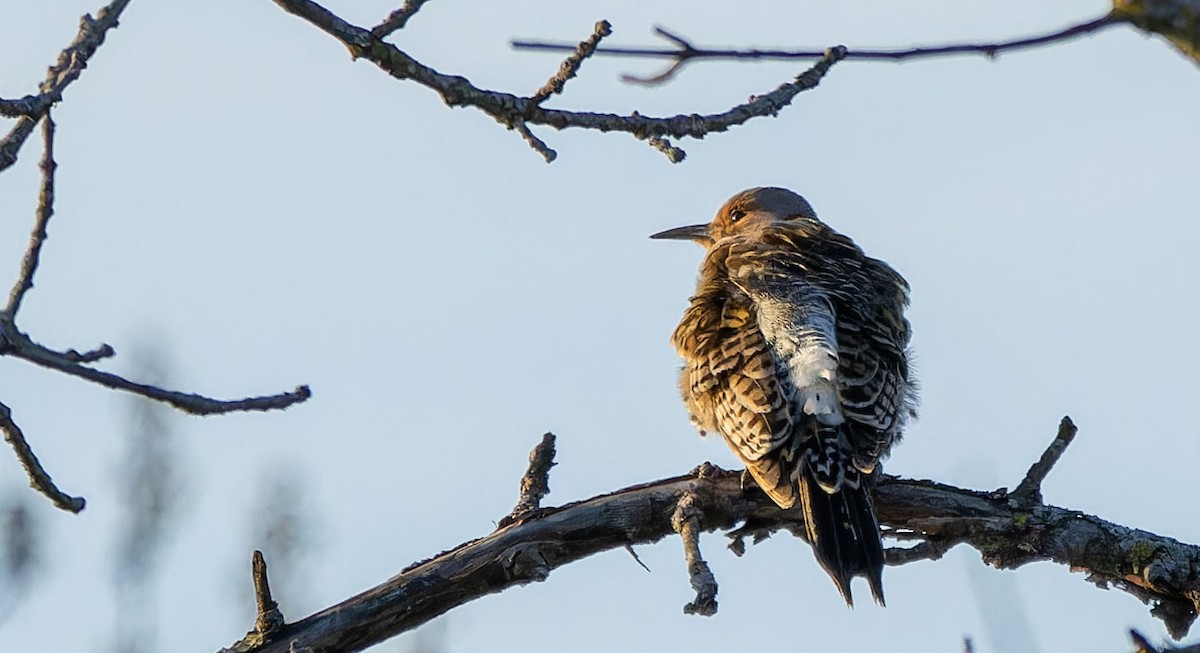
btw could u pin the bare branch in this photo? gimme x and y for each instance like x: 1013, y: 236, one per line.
x: 535, y: 485
x: 1150, y: 567
x: 516, y: 112
x: 15, y: 343
x: 269, y: 619
x: 684, y: 51
x: 536, y: 143
x: 45, y: 209
x: 397, y: 19
x: 1029, y: 492
x: 71, y: 62
x: 570, y: 67
x: 91, y: 355
x: 10, y: 146
x: 674, y: 154
x: 685, y: 521
x: 926, y: 550
x: 38, y: 478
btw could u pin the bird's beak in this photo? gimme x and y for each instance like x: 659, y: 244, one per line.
x: 696, y: 232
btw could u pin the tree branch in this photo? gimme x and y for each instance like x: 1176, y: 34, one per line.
x: 38, y: 478
x: 535, y: 485
x: 518, y: 112
x: 18, y: 345
x: 1153, y: 568
x: 71, y: 62
x: 1029, y: 491
x: 397, y: 19
x: 684, y: 52
x: 14, y: 342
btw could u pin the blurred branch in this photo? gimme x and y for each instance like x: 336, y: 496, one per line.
x: 149, y: 487
x: 1153, y: 568
x: 519, y: 112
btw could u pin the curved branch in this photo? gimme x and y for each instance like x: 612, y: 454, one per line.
x: 1151, y: 567
x: 518, y: 112
x: 684, y: 50
x: 1176, y: 20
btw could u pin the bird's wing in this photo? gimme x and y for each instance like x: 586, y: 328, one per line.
x: 732, y: 385
x: 877, y: 391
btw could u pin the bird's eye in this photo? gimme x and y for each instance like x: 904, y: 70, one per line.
x: 736, y: 214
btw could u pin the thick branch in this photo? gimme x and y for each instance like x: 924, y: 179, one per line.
x: 517, y: 112
x: 1151, y: 567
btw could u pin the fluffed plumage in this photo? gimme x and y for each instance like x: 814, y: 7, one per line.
x: 795, y: 350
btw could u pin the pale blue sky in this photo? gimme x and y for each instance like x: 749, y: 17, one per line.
x: 233, y: 187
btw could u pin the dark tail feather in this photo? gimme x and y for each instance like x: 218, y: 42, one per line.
x: 844, y: 533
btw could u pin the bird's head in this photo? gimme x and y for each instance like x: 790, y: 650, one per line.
x: 745, y: 213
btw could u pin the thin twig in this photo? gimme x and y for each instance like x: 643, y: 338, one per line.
x: 570, y: 66
x: 45, y: 209
x: 674, y: 154
x: 536, y: 143
x: 397, y: 19
x: 38, y: 478
x: 509, y: 109
x: 91, y: 355
x: 1029, y: 491
x: 19, y: 345
x: 71, y: 62
x: 684, y: 51
x: 685, y: 521
x: 636, y: 557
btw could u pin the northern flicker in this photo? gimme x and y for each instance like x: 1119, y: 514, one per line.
x: 795, y: 349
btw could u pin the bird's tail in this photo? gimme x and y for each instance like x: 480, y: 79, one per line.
x: 844, y: 530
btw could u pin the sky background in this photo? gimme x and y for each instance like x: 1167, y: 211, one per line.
x: 237, y: 195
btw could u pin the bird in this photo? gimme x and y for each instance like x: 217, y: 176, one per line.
x: 796, y: 350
